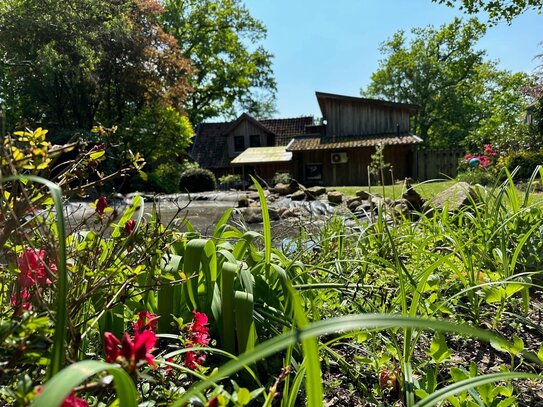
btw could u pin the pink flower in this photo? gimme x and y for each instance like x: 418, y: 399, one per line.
x: 129, y: 226
x: 101, y: 205
x: 484, y: 160
x: 468, y: 157
x: 146, y: 320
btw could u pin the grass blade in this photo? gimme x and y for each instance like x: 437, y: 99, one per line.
x: 468, y: 384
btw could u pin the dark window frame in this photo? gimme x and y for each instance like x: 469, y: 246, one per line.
x: 253, y: 137
x: 237, y: 143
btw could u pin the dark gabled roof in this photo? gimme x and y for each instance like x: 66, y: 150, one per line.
x: 249, y: 118
x: 210, y: 147
x: 321, y: 97
x: 318, y: 143
x: 285, y: 129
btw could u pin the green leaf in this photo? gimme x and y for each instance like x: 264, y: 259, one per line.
x: 61, y: 385
x: 438, y: 348
x: 97, y: 154
x: 244, y: 396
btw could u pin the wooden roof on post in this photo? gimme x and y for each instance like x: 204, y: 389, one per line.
x: 263, y: 155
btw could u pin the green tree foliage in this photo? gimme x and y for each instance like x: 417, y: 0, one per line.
x: 232, y: 71
x: 496, y: 9
x: 458, y: 92
x: 75, y: 63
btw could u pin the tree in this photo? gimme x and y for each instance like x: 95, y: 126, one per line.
x: 72, y: 63
x: 496, y: 9
x: 441, y: 71
x: 232, y: 71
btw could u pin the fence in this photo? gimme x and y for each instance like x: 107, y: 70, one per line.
x: 435, y: 163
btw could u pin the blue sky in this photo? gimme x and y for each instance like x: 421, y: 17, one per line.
x: 333, y: 45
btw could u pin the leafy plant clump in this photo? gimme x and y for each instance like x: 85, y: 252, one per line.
x: 197, y: 180
x: 281, y: 178
x: 230, y: 181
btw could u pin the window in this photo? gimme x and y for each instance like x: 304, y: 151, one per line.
x: 239, y: 143
x: 254, y: 140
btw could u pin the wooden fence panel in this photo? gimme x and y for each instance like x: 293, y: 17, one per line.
x: 435, y: 163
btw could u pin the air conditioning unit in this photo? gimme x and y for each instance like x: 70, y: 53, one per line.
x: 338, y: 158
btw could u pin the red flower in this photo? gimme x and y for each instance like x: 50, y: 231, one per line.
x: 101, y: 205
x: 468, y: 157
x: 129, y: 226
x: 32, y: 266
x: 198, y: 335
x: 199, y: 318
x: 73, y: 401
x: 131, y: 351
x: 21, y: 301
x: 146, y: 320
x: 112, y: 347
x: 489, y: 150
x: 168, y: 368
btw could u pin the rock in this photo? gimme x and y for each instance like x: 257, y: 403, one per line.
x: 364, y: 207
x: 243, y: 202
x: 286, y: 189
x: 353, y: 203
x: 298, y: 195
x: 363, y: 195
x: 402, y: 206
x: 314, y: 192
x: 293, y: 212
x: 274, y: 214
x: 254, y: 215
x: 254, y: 195
x: 335, y: 197
x: 454, y: 198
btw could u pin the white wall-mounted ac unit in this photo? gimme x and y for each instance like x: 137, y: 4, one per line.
x: 338, y: 158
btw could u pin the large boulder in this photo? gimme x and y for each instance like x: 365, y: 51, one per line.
x: 454, y: 198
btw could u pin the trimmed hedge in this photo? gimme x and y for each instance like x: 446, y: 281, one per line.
x: 197, y: 180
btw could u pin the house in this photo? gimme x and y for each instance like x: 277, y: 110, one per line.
x: 216, y: 145
x: 335, y: 152
x: 352, y: 129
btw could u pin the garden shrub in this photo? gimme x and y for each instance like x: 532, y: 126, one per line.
x: 281, y: 178
x: 197, y: 180
x: 526, y: 160
x: 164, y: 177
